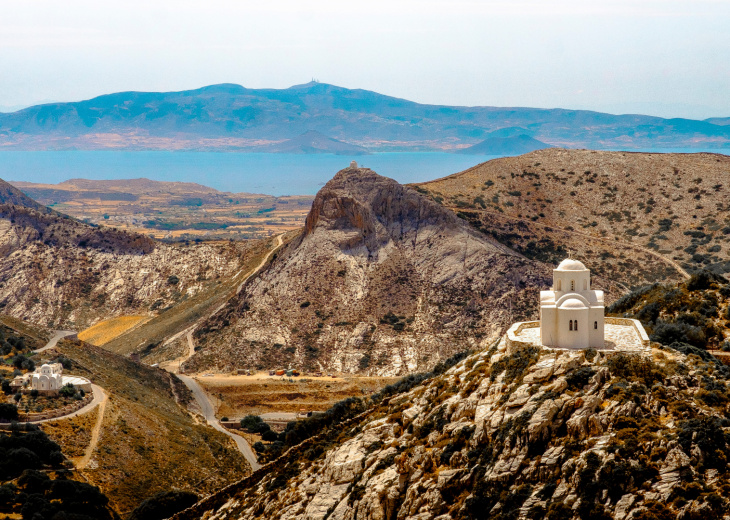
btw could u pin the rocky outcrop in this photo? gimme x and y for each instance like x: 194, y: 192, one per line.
x: 611, y: 436
x: 381, y: 281
x: 62, y: 273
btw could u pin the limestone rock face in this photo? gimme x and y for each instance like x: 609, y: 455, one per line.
x: 475, y: 451
x: 381, y: 281
x: 62, y: 273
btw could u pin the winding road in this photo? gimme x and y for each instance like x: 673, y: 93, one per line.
x: 209, y: 414
x: 200, y: 396
x: 84, y: 461
x: 54, y: 339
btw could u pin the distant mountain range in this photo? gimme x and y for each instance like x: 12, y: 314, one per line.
x: 234, y: 118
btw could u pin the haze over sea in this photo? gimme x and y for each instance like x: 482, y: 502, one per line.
x: 272, y: 174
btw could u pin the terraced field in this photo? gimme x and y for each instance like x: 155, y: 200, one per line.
x: 107, y: 330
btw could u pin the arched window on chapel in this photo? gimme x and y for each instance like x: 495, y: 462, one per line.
x: 571, y: 325
x: 572, y: 285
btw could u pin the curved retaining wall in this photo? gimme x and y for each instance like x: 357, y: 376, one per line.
x: 512, y: 340
x: 636, y: 324
x: 58, y: 412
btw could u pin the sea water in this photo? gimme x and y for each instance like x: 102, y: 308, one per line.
x: 272, y: 174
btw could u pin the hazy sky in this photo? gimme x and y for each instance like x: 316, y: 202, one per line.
x: 663, y: 57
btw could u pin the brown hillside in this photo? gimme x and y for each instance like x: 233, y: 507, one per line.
x: 149, y: 442
x: 533, y: 434
x: 674, y: 205
x: 382, y: 281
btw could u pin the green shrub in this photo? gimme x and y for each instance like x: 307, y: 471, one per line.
x: 636, y: 368
x: 579, y: 378
x: 8, y: 411
x: 163, y: 505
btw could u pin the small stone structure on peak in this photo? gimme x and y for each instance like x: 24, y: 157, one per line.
x: 571, y: 313
x: 353, y: 164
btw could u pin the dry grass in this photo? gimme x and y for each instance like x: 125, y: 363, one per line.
x: 148, y: 442
x: 673, y: 204
x: 238, y: 396
x: 73, y: 435
x: 149, y: 335
x: 105, y: 331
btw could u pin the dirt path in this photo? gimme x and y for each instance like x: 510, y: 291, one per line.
x: 279, y: 243
x: 174, y: 364
x: 614, y: 242
x: 84, y: 461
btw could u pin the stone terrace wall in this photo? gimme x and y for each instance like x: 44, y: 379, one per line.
x: 628, y: 322
x: 512, y: 341
x: 58, y: 412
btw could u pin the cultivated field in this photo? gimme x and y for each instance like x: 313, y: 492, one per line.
x: 238, y: 396
x: 172, y: 210
x: 107, y: 330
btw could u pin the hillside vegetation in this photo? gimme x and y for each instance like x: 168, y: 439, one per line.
x: 674, y: 205
x: 62, y: 273
x: 691, y: 315
x: 149, y: 441
x: 531, y: 434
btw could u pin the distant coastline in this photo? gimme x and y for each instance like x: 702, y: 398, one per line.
x: 275, y: 174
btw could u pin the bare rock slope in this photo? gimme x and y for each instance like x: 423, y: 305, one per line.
x: 529, y: 434
x: 62, y: 273
x: 382, y: 280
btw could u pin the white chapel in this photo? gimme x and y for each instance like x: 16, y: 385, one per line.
x: 571, y: 313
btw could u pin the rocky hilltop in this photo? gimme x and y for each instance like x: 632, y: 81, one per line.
x: 381, y: 281
x: 513, y: 434
x: 62, y: 273
x: 625, y: 210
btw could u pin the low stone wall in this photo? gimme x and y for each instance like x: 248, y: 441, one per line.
x: 628, y: 322
x: 58, y: 412
x: 512, y: 341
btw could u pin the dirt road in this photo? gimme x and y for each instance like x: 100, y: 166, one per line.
x: 209, y: 413
x: 200, y: 396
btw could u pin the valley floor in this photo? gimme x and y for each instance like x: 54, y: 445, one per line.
x: 238, y: 396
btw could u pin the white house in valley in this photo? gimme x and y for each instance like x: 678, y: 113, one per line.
x: 47, y: 378
x: 571, y: 313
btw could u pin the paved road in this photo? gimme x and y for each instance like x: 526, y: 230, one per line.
x: 209, y: 414
x: 99, y: 398
x: 54, y: 339
x: 200, y: 396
